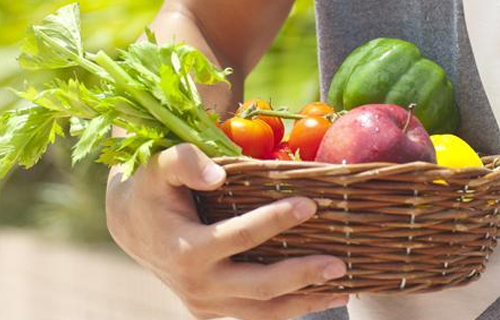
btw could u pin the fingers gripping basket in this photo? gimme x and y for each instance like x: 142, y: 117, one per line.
x: 402, y: 228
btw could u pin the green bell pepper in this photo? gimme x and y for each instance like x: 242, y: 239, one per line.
x: 393, y: 71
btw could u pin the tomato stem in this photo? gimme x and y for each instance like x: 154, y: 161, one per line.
x: 253, y: 112
x: 411, y: 109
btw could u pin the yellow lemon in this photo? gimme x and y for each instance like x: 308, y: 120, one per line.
x: 453, y: 152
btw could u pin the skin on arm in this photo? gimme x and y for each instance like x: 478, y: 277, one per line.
x: 153, y: 218
x: 230, y: 33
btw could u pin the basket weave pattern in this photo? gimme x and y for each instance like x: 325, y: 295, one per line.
x: 403, y: 228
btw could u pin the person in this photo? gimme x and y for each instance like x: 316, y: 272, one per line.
x: 152, y: 216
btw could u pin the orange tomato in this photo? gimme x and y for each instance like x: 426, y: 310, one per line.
x: 306, y: 136
x: 255, y: 137
x: 275, y: 123
x: 316, y: 109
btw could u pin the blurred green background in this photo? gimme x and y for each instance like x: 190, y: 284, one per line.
x: 68, y: 202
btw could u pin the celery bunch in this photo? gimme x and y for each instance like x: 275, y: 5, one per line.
x: 150, y: 91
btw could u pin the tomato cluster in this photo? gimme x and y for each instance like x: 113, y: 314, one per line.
x: 261, y: 136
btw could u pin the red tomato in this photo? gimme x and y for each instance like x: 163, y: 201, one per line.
x: 282, y: 152
x: 316, y: 109
x: 255, y: 137
x: 275, y: 123
x: 306, y: 136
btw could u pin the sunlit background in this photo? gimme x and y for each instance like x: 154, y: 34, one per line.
x: 57, y: 260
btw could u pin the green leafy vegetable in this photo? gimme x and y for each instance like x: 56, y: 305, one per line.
x: 150, y: 92
x: 94, y: 133
x: 25, y: 135
x: 48, y: 46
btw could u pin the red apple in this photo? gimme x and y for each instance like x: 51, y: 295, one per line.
x: 376, y: 133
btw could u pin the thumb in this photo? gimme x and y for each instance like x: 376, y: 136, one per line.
x: 186, y: 165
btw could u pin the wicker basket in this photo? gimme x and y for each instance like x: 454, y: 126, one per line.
x: 402, y: 228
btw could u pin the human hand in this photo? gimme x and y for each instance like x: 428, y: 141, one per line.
x: 152, y: 217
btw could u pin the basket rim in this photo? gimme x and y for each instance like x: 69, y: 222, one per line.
x: 484, y: 175
x: 310, y: 164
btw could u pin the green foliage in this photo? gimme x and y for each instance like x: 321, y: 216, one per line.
x: 69, y: 201
x: 170, y: 72
x: 25, y: 135
x: 109, y: 24
x: 59, y: 31
x: 92, y: 136
x: 130, y: 152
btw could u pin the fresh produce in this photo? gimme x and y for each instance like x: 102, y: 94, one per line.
x: 306, y: 136
x: 453, y: 152
x: 150, y: 91
x: 393, y: 71
x: 255, y: 137
x: 274, y: 122
x: 376, y: 133
x: 316, y: 109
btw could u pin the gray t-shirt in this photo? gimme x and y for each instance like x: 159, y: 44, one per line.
x: 438, y: 29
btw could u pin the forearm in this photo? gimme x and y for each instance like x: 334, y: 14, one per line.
x: 231, y: 33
